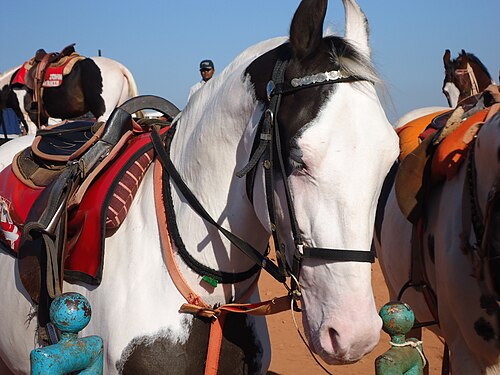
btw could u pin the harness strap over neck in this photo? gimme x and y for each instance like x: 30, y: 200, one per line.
x: 245, y: 247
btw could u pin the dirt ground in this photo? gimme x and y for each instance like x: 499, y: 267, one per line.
x: 291, y: 357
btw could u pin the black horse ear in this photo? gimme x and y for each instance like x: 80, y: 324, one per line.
x: 465, y: 57
x: 306, y: 30
x: 446, y: 58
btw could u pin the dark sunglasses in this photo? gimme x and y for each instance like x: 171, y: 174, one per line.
x: 205, y: 70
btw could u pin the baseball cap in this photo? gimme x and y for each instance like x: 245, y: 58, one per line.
x: 206, y: 64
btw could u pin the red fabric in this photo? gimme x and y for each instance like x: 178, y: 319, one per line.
x: 53, y: 75
x: 87, y: 227
x: 14, y: 194
x: 21, y: 73
x: 89, y: 220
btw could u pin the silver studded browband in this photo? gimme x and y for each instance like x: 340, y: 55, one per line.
x: 318, y: 78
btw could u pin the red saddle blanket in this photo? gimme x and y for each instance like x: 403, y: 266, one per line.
x: 102, y: 210
x: 54, y: 73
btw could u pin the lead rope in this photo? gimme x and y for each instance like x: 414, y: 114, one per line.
x: 303, y: 339
x: 415, y: 345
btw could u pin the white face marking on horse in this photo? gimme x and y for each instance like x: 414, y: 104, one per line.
x: 452, y: 93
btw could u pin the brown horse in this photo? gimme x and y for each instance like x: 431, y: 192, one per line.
x: 96, y: 85
x: 464, y: 76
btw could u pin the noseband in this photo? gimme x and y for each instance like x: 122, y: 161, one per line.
x: 269, y: 144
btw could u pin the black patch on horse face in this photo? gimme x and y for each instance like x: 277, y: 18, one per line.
x: 241, y: 352
x: 300, y: 107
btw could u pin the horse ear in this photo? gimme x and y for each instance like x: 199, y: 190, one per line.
x: 356, y: 26
x: 306, y: 30
x: 465, y: 57
x: 446, y: 58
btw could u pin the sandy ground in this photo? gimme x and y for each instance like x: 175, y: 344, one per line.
x: 291, y: 357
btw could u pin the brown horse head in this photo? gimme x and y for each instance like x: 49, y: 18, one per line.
x: 464, y: 76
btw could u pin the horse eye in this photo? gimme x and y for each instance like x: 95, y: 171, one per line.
x: 296, y: 161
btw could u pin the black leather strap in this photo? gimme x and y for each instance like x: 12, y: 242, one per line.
x: 339, y: 255
x: 245, y: 247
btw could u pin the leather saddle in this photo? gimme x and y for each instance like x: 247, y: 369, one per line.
x: 424, y: 167
x: 40, y: 63
x: 62, y: 167
x: 65, y: 159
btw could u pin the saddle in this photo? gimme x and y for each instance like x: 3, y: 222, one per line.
x: 64, y: 170
x: 46, y: 70
x: 37, y: 66
x: 442, y: 146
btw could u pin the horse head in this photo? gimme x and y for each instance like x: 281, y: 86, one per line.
x: 336, y: 147
x: 464, y: 76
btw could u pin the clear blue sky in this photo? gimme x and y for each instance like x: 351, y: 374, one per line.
x: 163, y: 41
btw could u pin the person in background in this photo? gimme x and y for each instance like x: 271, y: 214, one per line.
x: 207, y: 71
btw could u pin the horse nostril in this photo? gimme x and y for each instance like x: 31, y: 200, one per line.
x: 334, y: 339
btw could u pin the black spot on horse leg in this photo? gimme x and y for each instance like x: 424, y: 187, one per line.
x: 92, y: 87
x: 431, y: 247
x: 498, y: 153
x: 164, y: 353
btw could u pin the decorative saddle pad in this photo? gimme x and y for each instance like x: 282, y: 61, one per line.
x: 54, y: 73
x: 101, y: 211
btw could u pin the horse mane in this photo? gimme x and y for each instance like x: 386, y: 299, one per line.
x: 350, y: 60
x: 475, y: 60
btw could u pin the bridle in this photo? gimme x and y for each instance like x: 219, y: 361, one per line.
x: 474, y: 86
x: 269, y: 145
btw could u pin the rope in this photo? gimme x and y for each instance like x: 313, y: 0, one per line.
x: 413, y: 344
x: 306, y: 344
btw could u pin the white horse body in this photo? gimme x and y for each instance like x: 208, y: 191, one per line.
x: 7, y: 75
x: 450, y: 273
x: 417, y: 113
x: 335, y: 201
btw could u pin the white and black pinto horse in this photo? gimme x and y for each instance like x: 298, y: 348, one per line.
x: 96, y: 85
x: 336, y: 147
x: 452, y: 277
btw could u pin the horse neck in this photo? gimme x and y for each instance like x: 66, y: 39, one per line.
x: 482, y: 78
x: 208, y: 148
